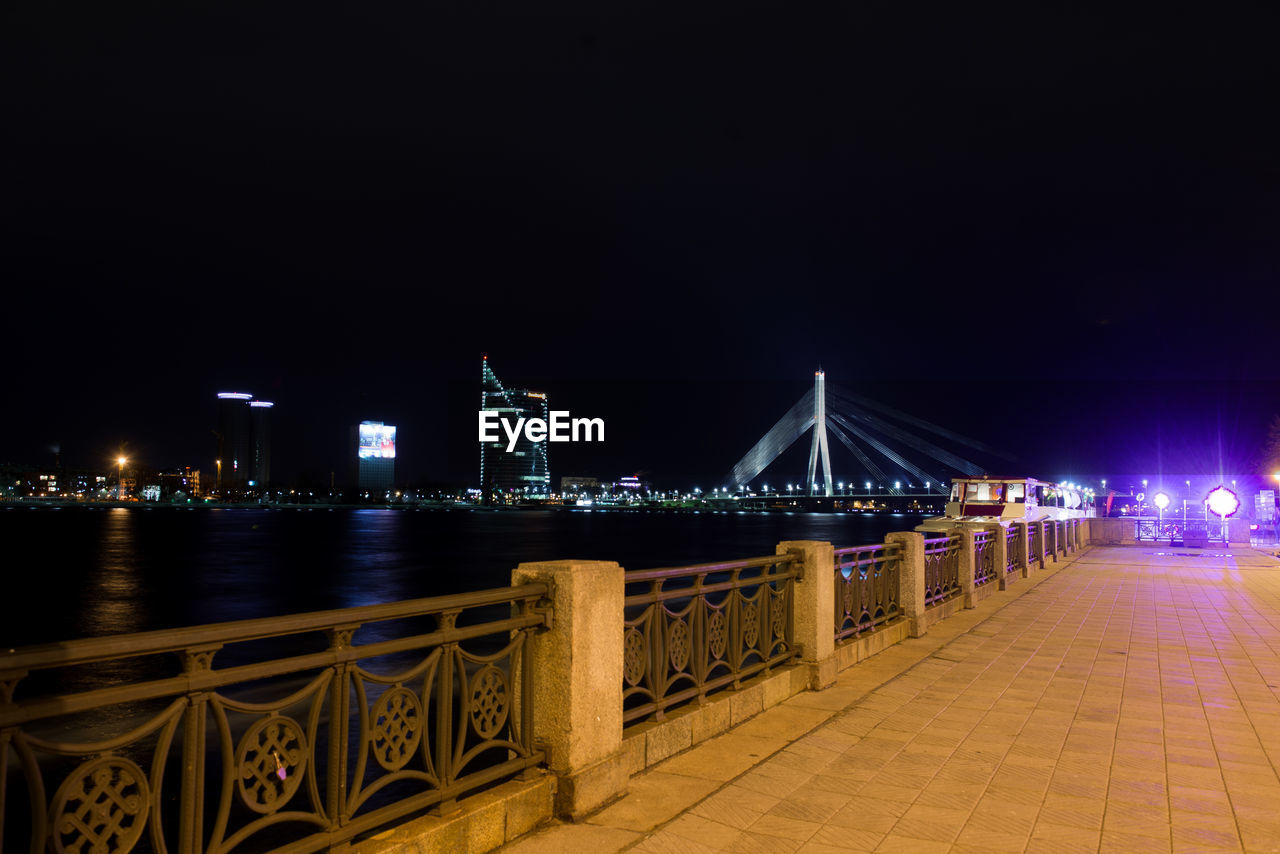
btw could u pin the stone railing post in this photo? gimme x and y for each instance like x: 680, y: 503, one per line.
x: 999, y: 551
x: 1024, y: 532
x: 577, y: 702
x: 968, y: 560
x: 911, y: 579
x: 813, y: 609
x: 1044, y: 543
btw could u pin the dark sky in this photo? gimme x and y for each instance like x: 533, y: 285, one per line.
x: 1052, y: 232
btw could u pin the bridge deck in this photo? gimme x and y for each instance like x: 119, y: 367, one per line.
x: 1129, y: 701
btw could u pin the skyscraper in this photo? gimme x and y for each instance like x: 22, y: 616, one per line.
x: 375, y: 457
x: 260, y: 443
x: 523, y: 471
x: 244, y: 443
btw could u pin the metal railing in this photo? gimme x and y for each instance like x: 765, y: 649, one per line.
x: 297, y: 751
x: 1153, y: 530
x: 1015, y: 544
x: 1035, y: 542
x: 941, y: 569
x: 692, y: 630
x: 866, y: 596
x: 984, y: 558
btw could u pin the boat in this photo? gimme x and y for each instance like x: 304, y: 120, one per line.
x: 1006, y: 500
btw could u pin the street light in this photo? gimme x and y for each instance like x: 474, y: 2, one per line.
x: 1161, y: 501
x: 120, y: 461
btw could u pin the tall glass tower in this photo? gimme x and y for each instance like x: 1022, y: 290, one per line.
x: 523, y: 471
x: 244, y: 443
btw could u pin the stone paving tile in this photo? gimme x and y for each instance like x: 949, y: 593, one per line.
x: 1124, y: 701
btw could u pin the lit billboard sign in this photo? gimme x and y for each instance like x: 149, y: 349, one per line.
x: 377, y: 441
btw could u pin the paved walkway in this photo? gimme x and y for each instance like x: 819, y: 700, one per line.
x: 1126, y: 700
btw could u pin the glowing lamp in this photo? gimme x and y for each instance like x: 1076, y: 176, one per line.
x: 1223, y: 502
x: 1161, y: 500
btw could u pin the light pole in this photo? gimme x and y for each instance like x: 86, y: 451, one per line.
x: 120, y: 461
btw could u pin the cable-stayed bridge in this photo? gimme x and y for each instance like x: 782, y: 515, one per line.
x: 874, y: 433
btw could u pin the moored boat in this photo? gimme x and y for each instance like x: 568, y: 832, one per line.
x: 1006, y: 500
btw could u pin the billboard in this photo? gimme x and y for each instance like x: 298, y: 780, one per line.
x: 377, y: 441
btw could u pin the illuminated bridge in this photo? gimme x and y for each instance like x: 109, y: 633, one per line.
x: 870, y: 430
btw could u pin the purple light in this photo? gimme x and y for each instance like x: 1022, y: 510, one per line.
x: 234, y: 395
x: 1161, y: 500
x: 1223, y: 502
x: 261, y: 404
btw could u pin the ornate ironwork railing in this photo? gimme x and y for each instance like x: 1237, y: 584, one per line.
x: 984, y: 558
x: 1015, y: 545
x: 345, y: 724
x: 692, y: 630
x: 1152, y: 530
x: 866, y: 579
x: 1035, y: 542
x: 941, y: 569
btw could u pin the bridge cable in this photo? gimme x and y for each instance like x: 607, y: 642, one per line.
x: 885, y: 450
x: 860, y: 401
x: 781, y: 436
x: 871, y: 467
x: 942, y: 455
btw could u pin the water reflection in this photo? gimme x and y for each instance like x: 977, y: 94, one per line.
x: 114, y: 604
x: 123, y: 570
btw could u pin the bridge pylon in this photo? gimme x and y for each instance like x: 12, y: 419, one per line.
x: 819, y: 443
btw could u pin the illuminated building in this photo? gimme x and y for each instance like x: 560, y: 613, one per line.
x: 572, y: 485
x: 244, y: 442
x: 375, y: 457
x: 522, y: 471
x: 185, y: 480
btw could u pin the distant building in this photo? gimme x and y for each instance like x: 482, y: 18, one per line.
x: 629, y: 484
x: 522, y: 471
x: 244, y: 443
x: 260, y: 443
x: 570, y: 485
x: 375, y: 447
x: 185, y: 480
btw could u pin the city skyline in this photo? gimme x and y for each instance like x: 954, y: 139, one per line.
x: 1055, y: 234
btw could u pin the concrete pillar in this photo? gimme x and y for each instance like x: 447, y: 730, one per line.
x: 577, y: 702
x: 1024, y: 532
x: 813, y: 609
x: 999, y: 552
x: 911, y: 579
x: 967, y: 562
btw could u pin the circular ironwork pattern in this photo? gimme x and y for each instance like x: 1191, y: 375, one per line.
x: 271, y: 759
x: 717, y: 637
x: 489, y: 701
x: 102, y: 807
x: 750, y: 624
x: 633, y: 664
x: 678, y: 644
x: 396, y: 728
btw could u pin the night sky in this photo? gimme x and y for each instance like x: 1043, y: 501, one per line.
x: 1053, y: 233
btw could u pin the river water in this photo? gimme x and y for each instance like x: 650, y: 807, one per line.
x: 83, y: 571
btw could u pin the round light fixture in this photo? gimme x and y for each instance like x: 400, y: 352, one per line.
x: 1223, y: 502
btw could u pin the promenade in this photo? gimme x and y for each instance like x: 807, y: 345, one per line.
x: 1125, y: 699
